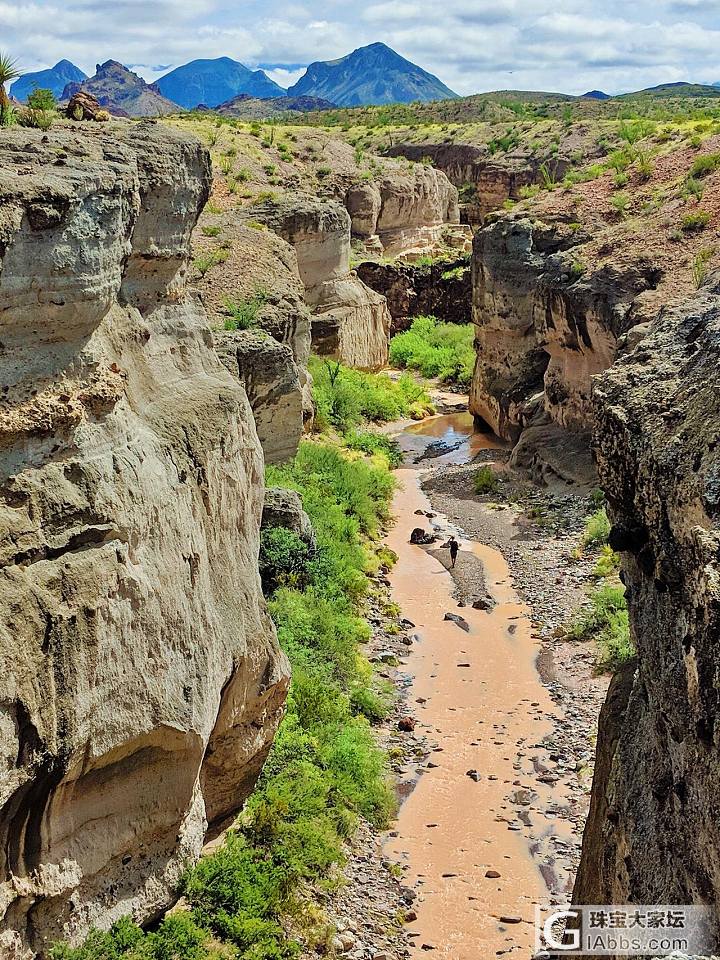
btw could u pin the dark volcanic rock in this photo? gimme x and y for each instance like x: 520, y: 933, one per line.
x: 654, y: 832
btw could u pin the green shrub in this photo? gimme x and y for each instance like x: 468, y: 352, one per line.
x: 284, y: 559
x: 443, y: 350
x: 608, y: 563
x: 244, y: 313
x: 696, y: 221
x: 607, y: 622
x: 705, y: 164
x: 375, y: 443
x: 485, y: 480
x: 597, y: 529
x: 346, y: 398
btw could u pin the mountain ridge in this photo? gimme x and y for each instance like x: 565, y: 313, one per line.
x: 374, y: 74
x: 212, y: 82
x: 53, y: 78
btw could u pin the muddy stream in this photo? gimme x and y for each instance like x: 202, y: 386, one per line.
x: 467, y: 824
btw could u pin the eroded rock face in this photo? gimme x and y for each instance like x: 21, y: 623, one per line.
x: 486, y: 180
x: 544, y: 327
x: 141, y: 681
x: 400, y: 212
x: 442, y: 290
x: 350, y: 321
x: 261, y: 268
x: 268, y: 371
x: 654, y: 834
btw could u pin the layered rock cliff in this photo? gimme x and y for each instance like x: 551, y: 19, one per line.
x: 350, y: 321
x: 544, y: 326
x: 653, y: 833
x: 395, y: 213
x: 141, y: 681
x: 486, y: 180
x: 257, y: 274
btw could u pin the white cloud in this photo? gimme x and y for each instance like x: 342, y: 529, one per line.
x: 472, y: 45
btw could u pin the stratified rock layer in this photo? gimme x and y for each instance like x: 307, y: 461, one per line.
x: 654, y: 832
x: 350, y: 321
x: 140, y: 678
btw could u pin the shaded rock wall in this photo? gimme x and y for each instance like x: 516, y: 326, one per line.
x: 654, y: 832
x: 442, y: 290
x: 141, y: 682
x: 545, y: 324
x: 350, y: 321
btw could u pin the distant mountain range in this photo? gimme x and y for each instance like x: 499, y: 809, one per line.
x: 55, y: 78
x: 370, y: 75
x: 374, y: 74
x: 212, y: 82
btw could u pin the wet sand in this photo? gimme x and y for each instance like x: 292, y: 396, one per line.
x: 479, y: 698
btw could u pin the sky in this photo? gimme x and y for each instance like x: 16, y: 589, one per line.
x: 569, y: 46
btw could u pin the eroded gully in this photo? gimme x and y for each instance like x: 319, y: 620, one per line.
x: 483, y: 710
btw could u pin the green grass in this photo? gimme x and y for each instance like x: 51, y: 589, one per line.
x: 443, y: 350
x: 347, y: 398
x: 606, y: 621
x: 325, y: 769
x: 244, y: 314
x: 485, y: 480
x: 597, y: 529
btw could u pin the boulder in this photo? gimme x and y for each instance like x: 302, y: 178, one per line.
x: 283, y: 508
x: 84, y: 106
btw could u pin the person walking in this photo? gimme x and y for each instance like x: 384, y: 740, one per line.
x: 454, y: 548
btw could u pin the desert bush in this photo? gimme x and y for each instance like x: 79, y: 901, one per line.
x: 443, y: 350
x: 696, y: 221
x: 347, y: 398
x: 485, y: 481
x: 705, y: 164
x: 606, y: 621
x: 244, y: 313
x: 597, y: 529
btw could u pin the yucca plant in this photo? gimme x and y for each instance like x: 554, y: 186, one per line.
x: 9, y: 71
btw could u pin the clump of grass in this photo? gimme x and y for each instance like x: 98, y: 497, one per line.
x: 485, y: 481
x: 696, y: 221
x: 597, y: 529
x: 211, y: 231
x: 705, y: 164
x: 207, y: 261
x: 700, y: 265
x: 243, y: 314
x: 606, y: 621
x: 620, y: 202
x: 608, y: 563
x: 443, y: 350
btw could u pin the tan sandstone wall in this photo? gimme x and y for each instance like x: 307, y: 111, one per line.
x: 140, y: 678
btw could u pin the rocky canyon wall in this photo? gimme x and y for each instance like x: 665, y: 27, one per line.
x: 653, y: 835
x: 141, y: 681
x: 485, y: 180
x: 349, y: 320
x: 545, y: 325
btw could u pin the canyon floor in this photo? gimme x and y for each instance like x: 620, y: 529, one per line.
x: 499, y: 709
